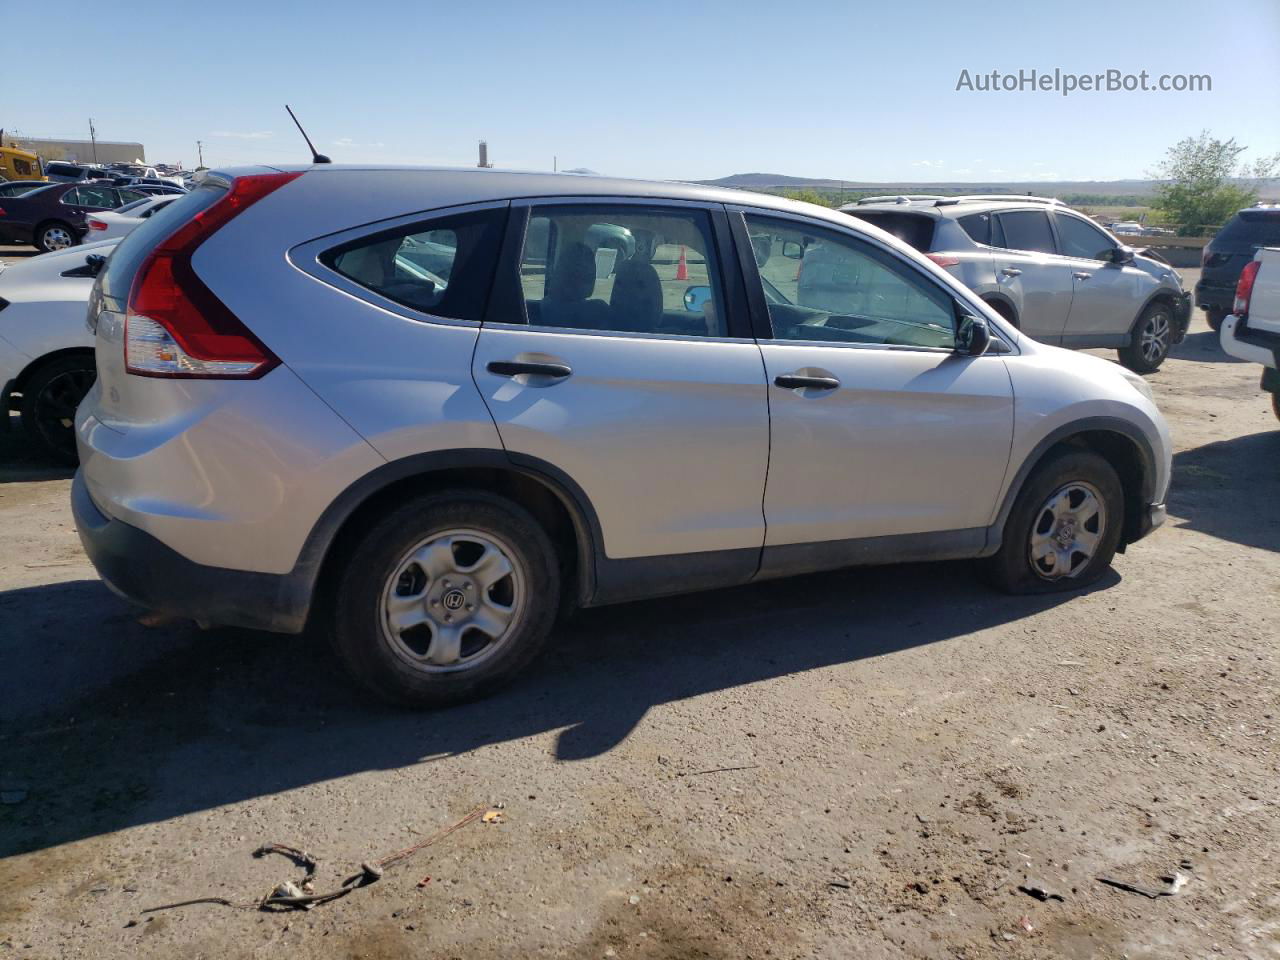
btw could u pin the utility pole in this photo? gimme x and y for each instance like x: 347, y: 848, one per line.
x: 200, y: 151
x: 93, y: 138
x: 555, y: 164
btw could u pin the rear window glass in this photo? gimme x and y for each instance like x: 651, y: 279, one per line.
x: 443, y: 267
x: 117, y: 275
x: 1253, y: 227
x: 908, y: 227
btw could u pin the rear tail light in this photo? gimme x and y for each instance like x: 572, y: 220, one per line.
x: 942, y: 260
x: 175, y: 326
x: 97, y: 225
x: 1244, y: 289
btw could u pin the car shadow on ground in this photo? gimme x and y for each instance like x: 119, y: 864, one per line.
x: 1230, y: 489
x: 1202, y: 347
x: 21, y: 461
x: 106, y: 725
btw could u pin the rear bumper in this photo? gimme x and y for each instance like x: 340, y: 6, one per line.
x: 1215, y: 295
x: 143, y: 570
x: 1256, y: 346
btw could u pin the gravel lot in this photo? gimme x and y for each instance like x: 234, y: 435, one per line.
x: 866, y: 763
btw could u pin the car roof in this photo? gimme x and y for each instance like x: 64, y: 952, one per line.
x: 475, y: 185
x: 955, y: 206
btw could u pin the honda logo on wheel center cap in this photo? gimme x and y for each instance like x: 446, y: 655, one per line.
x: 453, y: 600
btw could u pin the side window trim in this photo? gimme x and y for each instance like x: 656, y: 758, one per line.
x: 506, y: 304
x: 306, y: 257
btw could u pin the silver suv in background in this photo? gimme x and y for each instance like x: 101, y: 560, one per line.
x: 426, y: 410
x: 1047, y: 269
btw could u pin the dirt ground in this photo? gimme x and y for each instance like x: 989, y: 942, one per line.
x: 868, y: 763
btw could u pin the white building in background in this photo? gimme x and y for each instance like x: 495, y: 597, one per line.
x: 79, y: 151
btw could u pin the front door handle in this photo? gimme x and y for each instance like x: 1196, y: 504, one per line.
x: 796, y: 381
x: 1011, y: 272
x: 1082, y: 275
x: 513, y: 368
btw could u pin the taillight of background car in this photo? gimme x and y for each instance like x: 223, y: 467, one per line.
x: 1244, y: 289
x: 175, y: 326
x: 96, y: 224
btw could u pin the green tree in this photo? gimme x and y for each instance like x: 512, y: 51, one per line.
x: 1204, y: 182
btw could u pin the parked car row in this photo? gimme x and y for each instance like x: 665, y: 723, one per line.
x: 53, y: 215
x: 1225, y: 257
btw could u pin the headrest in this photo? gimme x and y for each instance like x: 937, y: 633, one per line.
x: 574, y: 275
x: 637, y: 296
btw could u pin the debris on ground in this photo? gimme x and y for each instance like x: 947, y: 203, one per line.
x: 493, y: 816
x: 292, y: 896
x: 1174, y: 883
x: 1025, y: 923
x: 1040, y: 893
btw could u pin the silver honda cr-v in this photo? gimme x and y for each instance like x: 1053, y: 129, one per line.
x: 1047, y: 269
x: 426, y: 410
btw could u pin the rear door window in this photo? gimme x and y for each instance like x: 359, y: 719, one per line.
x: 443, y: 267
x: 977, y: 226
x: 1027, y: 230
x: 625, y: 268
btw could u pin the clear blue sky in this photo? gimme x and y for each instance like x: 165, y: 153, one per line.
x: 669, y: 90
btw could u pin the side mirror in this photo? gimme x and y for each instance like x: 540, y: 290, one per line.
x: 792, y: 250
x: 1121, y: 254
x: 973, y: 336
x: 695, y: 297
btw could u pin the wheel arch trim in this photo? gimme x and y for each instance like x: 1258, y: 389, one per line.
x: 1114, y: 425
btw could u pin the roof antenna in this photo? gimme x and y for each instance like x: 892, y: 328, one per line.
x: 315, y: 157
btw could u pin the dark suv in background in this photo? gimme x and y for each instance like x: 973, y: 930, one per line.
x: 1228, y: 252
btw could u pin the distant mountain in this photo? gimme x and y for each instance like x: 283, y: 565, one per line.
x: 755, y: 181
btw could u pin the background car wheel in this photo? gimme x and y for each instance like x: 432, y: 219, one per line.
x: 1214, y: 318
x: 1064, y: 527
x: 445, y: 598
x: 56, y: 236
x: 1149, y: 343
x: 49, y: 400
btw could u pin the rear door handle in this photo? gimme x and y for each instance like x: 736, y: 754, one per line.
x: 1011, y: 272
x: 513, y: 368
x: 1082, y: 275
x: 796, y: 381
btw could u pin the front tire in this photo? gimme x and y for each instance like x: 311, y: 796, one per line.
x: 56, y: 236
x: 1150, y: 340
x: 50, y: 397
x: 1064, y: 528
x: 446, y: 598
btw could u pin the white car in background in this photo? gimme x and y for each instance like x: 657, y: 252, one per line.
x: 114, y: 224
x: 1252, y: 330
x: 46, y: 350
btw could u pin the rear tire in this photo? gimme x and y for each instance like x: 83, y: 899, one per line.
x: 1214, y: 318
x: 1064, y: 528
x: 1150, y: 339
x: 50, y: 397
x: 56, y: 236
x: 446, y: 598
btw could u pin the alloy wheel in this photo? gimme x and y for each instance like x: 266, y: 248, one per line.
x: 453, y: 601
x: 1067, y: 531
x: 55, y: 407
x: 1155, y: 337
